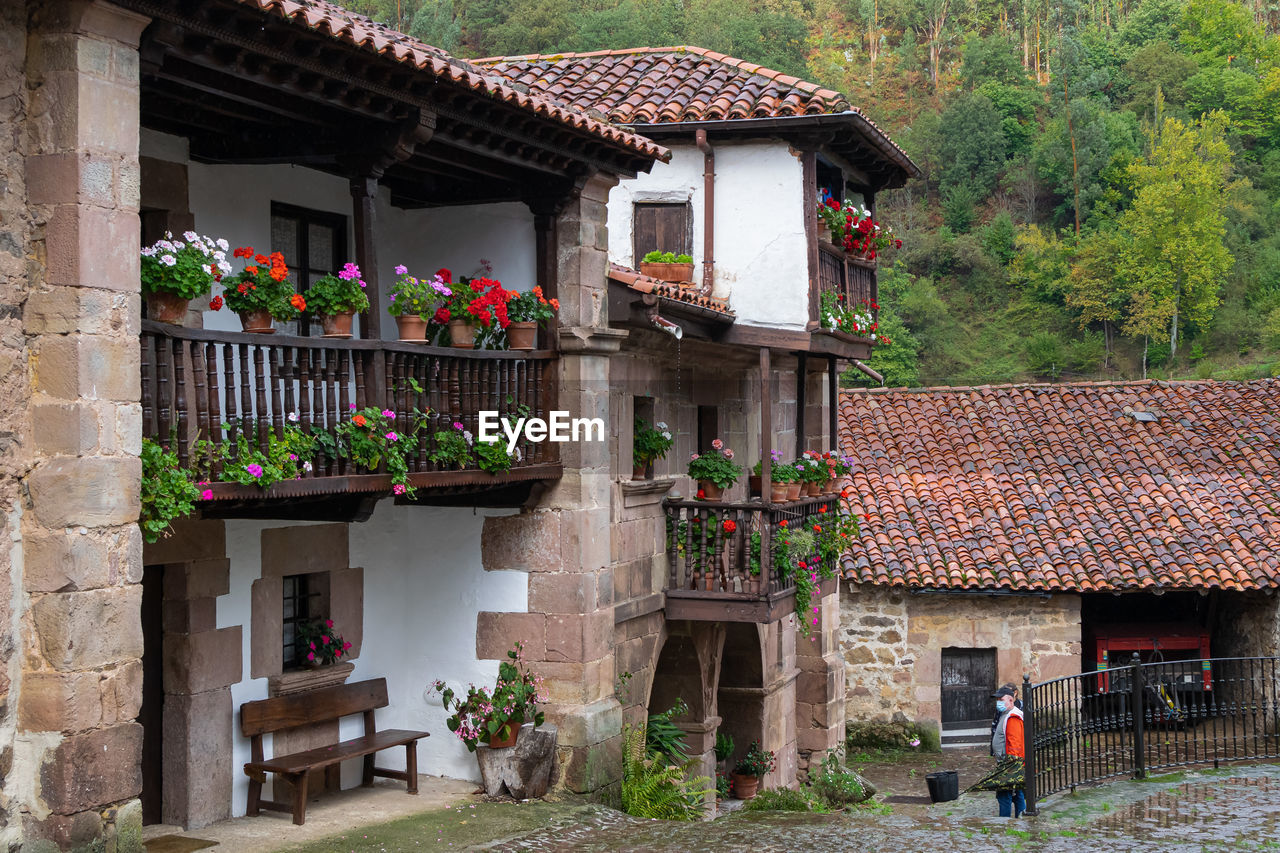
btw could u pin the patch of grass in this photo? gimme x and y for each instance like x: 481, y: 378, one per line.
x: 1018, y: 833
x: 784, y: 800
x: 1168, y: 777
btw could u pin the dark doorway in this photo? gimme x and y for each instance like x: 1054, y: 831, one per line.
x: 968, y: 680
x: 151, y: 715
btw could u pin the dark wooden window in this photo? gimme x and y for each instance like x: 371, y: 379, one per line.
x: 662, y: 227
x: 313, y: 242
x: 708, y: 427
x: 300, y: 600
x: 968, y: 680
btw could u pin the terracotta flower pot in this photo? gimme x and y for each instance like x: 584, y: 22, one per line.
x: 258, y: 322
x: 745, y: 787
x: 811, y: 489
x: 412, y: 328
x: 462, y: 334
x: 710, y: 491
x: 793, y: 491
x: 778, y: 492
x: 512, y: 731
x: 674, y: 273
x: 522, y: 335
x: 166, y: 307
x: 642, y: 472
x: 337, y: 325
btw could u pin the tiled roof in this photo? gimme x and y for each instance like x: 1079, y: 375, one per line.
x: 1057, y: 487
x: 647, y: 284
x: 368, y: 34
x: 658, y: 85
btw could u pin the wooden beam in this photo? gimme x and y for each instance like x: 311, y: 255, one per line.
x: 802, y: 382
x: 766, y: 440
x: 833, y: 402
x: 364, y: 195
x: 809, y: 171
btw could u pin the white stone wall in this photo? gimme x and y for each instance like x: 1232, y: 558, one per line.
x: 892, y: 644
x: 235, y: 202
x: 423, y: 586
x: 761, y: 261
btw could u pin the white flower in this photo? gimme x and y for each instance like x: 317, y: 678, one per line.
x: 149, y: 252
x: 219, y: 256
x: 168, y: 260
x: 164, y: 244
x: 518, y: 455
x: 466, y: 433
x: 306, y: 466
x: 661, y: 425
x: 293, y: 417
x: 224, y: 268
x: 179, y: 246
x: 190, y: 236
x: 666, y: 435
x: 223, y: 244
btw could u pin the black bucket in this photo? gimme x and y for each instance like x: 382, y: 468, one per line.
x: 943, y: 786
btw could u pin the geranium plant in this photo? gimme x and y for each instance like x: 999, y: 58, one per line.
x: 263, y: 285
x: 650, y: 443
x: 452, y: 446
x: 715, y: 466
x: 342, y: 292
x: 492, y: 456
x: 168, y: 491
x: 239, y: 459
x: 411, y: 295
x: 532, y: 307
x: 372, y: 436
x: 320, y: 643
x: 492, y: 714
x: 478, y: 301
x: 187, y: 268
x: 854, y: 229
x: 757, y: 762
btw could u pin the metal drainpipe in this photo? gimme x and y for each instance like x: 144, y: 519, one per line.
x: 708, y: 210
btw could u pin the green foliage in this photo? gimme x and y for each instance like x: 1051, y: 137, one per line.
x: 168, y: 491
x: 650, y: 442
x: 973, y: 146
x: 338, y: 293
x: 837, y: 786
x: 488, y: 714
x: 657, y: 257
x: 655, y: 789
x: 664, y: 740
x: 241, y: 461
x: 492, y: 456
x: 757, y: 762
x: 724, y: 746
x: 784, y: 800
x: 451, y: 447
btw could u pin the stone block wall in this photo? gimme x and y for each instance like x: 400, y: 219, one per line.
x: 892, y: 644
x: 69, y: 381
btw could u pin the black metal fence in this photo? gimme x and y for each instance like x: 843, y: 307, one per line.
x: 1129, y: 720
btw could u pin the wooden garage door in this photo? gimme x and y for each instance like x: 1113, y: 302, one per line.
x: 968, y: 680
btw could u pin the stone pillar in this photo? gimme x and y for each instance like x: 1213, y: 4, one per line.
x: 564, y: 543
x: 820, y: 687
x: 779, y: 701
x: 77, y: 741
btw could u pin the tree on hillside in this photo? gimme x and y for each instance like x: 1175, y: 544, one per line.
x: 971, y: 145
x: 1171, y: 255
x: 1093, y: 288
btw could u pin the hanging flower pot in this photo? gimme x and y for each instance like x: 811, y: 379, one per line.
x: 412, y: 328
x: 710, y: 491
x: 337, y: 325
x: 522, y: 336
x: 166, y: 307
x: 462, y: 334
x: 257, y: 322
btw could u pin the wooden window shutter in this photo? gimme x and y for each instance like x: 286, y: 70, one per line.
x: 663, y: 227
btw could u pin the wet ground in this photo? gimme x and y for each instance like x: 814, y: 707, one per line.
x: 1235, y: 808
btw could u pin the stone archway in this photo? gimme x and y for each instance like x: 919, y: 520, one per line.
x: 740, y: 693
x: 688, y: 668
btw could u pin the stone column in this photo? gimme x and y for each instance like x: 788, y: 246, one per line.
x: 77, y: 740
x: 779, y: 701
x: 564, y: 543
x: 820, y: 687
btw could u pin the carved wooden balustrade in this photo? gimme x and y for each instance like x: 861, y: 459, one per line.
x: 195, y: 380
x: 720, y: 558
x: 854, y: 277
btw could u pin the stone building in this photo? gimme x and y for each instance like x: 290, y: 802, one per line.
x: 317, y: 133
x: 1009, y: 527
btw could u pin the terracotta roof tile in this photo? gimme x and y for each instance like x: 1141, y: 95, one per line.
x: 366, y: 33
x: 1056, y: 487
x: 647, y: 284
x: 711, y: 86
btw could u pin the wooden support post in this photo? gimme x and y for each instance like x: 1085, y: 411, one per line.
x: 809, y: 175
x: 766, y: 428
x: 544, y: 244
x: 802, y: 382
x: 833, y: 401
x: 364, y: 194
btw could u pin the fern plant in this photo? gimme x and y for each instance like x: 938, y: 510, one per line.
x: 664, y: 739
x: 652, y: 788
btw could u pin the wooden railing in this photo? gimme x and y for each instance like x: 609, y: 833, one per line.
x: 855, y: 278
x: 712, y: 560
x: 195, y: 380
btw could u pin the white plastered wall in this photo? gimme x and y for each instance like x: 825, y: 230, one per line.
x: 234, y: 202
x: 423, y: 588
x: 761, y: 260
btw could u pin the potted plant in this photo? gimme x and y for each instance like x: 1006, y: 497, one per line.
x: 168, y: 491
x: 724, y: 748
x: 262, y: 291
x: 477, y: 305
x: 525, y: 311
x: 371, y: 438
x: 668, y: 266
x: 452, y: 448
x: 336, y: 298
x: 649, y: 444
x: 853, y: 228
x: 715, y: 470
x: 495, y: 716
x: 174, y: 272
x: 781, y: 477
x: 813, y: 474
x: 414, y: 300
x: 322, y: 646
x: 748, y: 772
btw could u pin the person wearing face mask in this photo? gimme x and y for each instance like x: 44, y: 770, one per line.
x: 1017, y: 703
x: 1007, y: 741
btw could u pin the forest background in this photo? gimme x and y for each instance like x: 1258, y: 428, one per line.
x: 1101, y: 185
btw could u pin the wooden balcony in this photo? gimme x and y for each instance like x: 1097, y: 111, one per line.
x: 730, y: 576
x: 195, y: 380
x: 855, y: 278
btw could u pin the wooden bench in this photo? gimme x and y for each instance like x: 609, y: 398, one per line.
x: 321, y: 706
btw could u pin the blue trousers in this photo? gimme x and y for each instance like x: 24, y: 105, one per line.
x: 1012, y: 803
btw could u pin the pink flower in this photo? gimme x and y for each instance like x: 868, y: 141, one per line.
x: 398, y: 489
x: 328, y: 623
x: 351, y: 406
x: 311, y: 655
x: 717, y: 444
x: 206, y: 495
x: 728, y: 454
x: 346, y: 646
x: 324, y: 639
x: 391, y: 436
x: 401, y: 269
x: 254, y: 469
x: 388, y: 414
x: 693, y: 457
x: 457, y: 425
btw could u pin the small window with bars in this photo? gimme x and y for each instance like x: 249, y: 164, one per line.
x: 301, y: 605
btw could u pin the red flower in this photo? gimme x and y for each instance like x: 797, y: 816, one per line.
x: 782, y: 523
x: 441, y: 316
x: 359, y: 420
x: 261, y: 259
x: 215, y: 304
x: 244, y: 252
x: 817, y: 528
x: 730, y: 526
x: 298, y: 302
x: 822, y: 508
x: 242, y: 288
x: 445, y: 275
x: 701, y: 494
